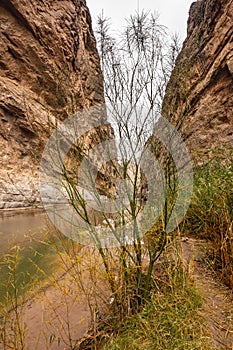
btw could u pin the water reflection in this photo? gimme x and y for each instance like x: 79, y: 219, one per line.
x: 16, y: 227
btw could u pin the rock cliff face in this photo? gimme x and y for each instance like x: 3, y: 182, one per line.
x: 49, y: 68
x: 200, y: 92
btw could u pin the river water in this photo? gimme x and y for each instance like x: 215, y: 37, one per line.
x: 16, y: 227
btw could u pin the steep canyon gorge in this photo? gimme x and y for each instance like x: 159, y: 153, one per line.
x: 50, y: 68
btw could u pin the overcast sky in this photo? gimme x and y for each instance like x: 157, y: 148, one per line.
x: 173, y: 13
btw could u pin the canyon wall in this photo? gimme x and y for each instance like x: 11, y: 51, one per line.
x: 199, y: 96
x: 49, y: 69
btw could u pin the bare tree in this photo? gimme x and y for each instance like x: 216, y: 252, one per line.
x: 131, y: 233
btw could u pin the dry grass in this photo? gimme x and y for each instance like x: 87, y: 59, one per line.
x: 210, y: 215
x: 170, y: 319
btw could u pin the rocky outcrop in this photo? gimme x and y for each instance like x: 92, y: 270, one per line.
x: 49, y: 69
x: 199, y: 97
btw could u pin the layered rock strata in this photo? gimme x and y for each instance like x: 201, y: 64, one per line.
x: 199, y: 96
x: 49, y: 69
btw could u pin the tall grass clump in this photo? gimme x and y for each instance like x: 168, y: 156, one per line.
x: 171, y: 319
x: 210, y: 215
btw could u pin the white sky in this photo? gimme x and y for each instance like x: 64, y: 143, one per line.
x: 173, y: 13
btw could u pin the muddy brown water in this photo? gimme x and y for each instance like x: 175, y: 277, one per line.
x: 45, y: 314
x: 17, y: 226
